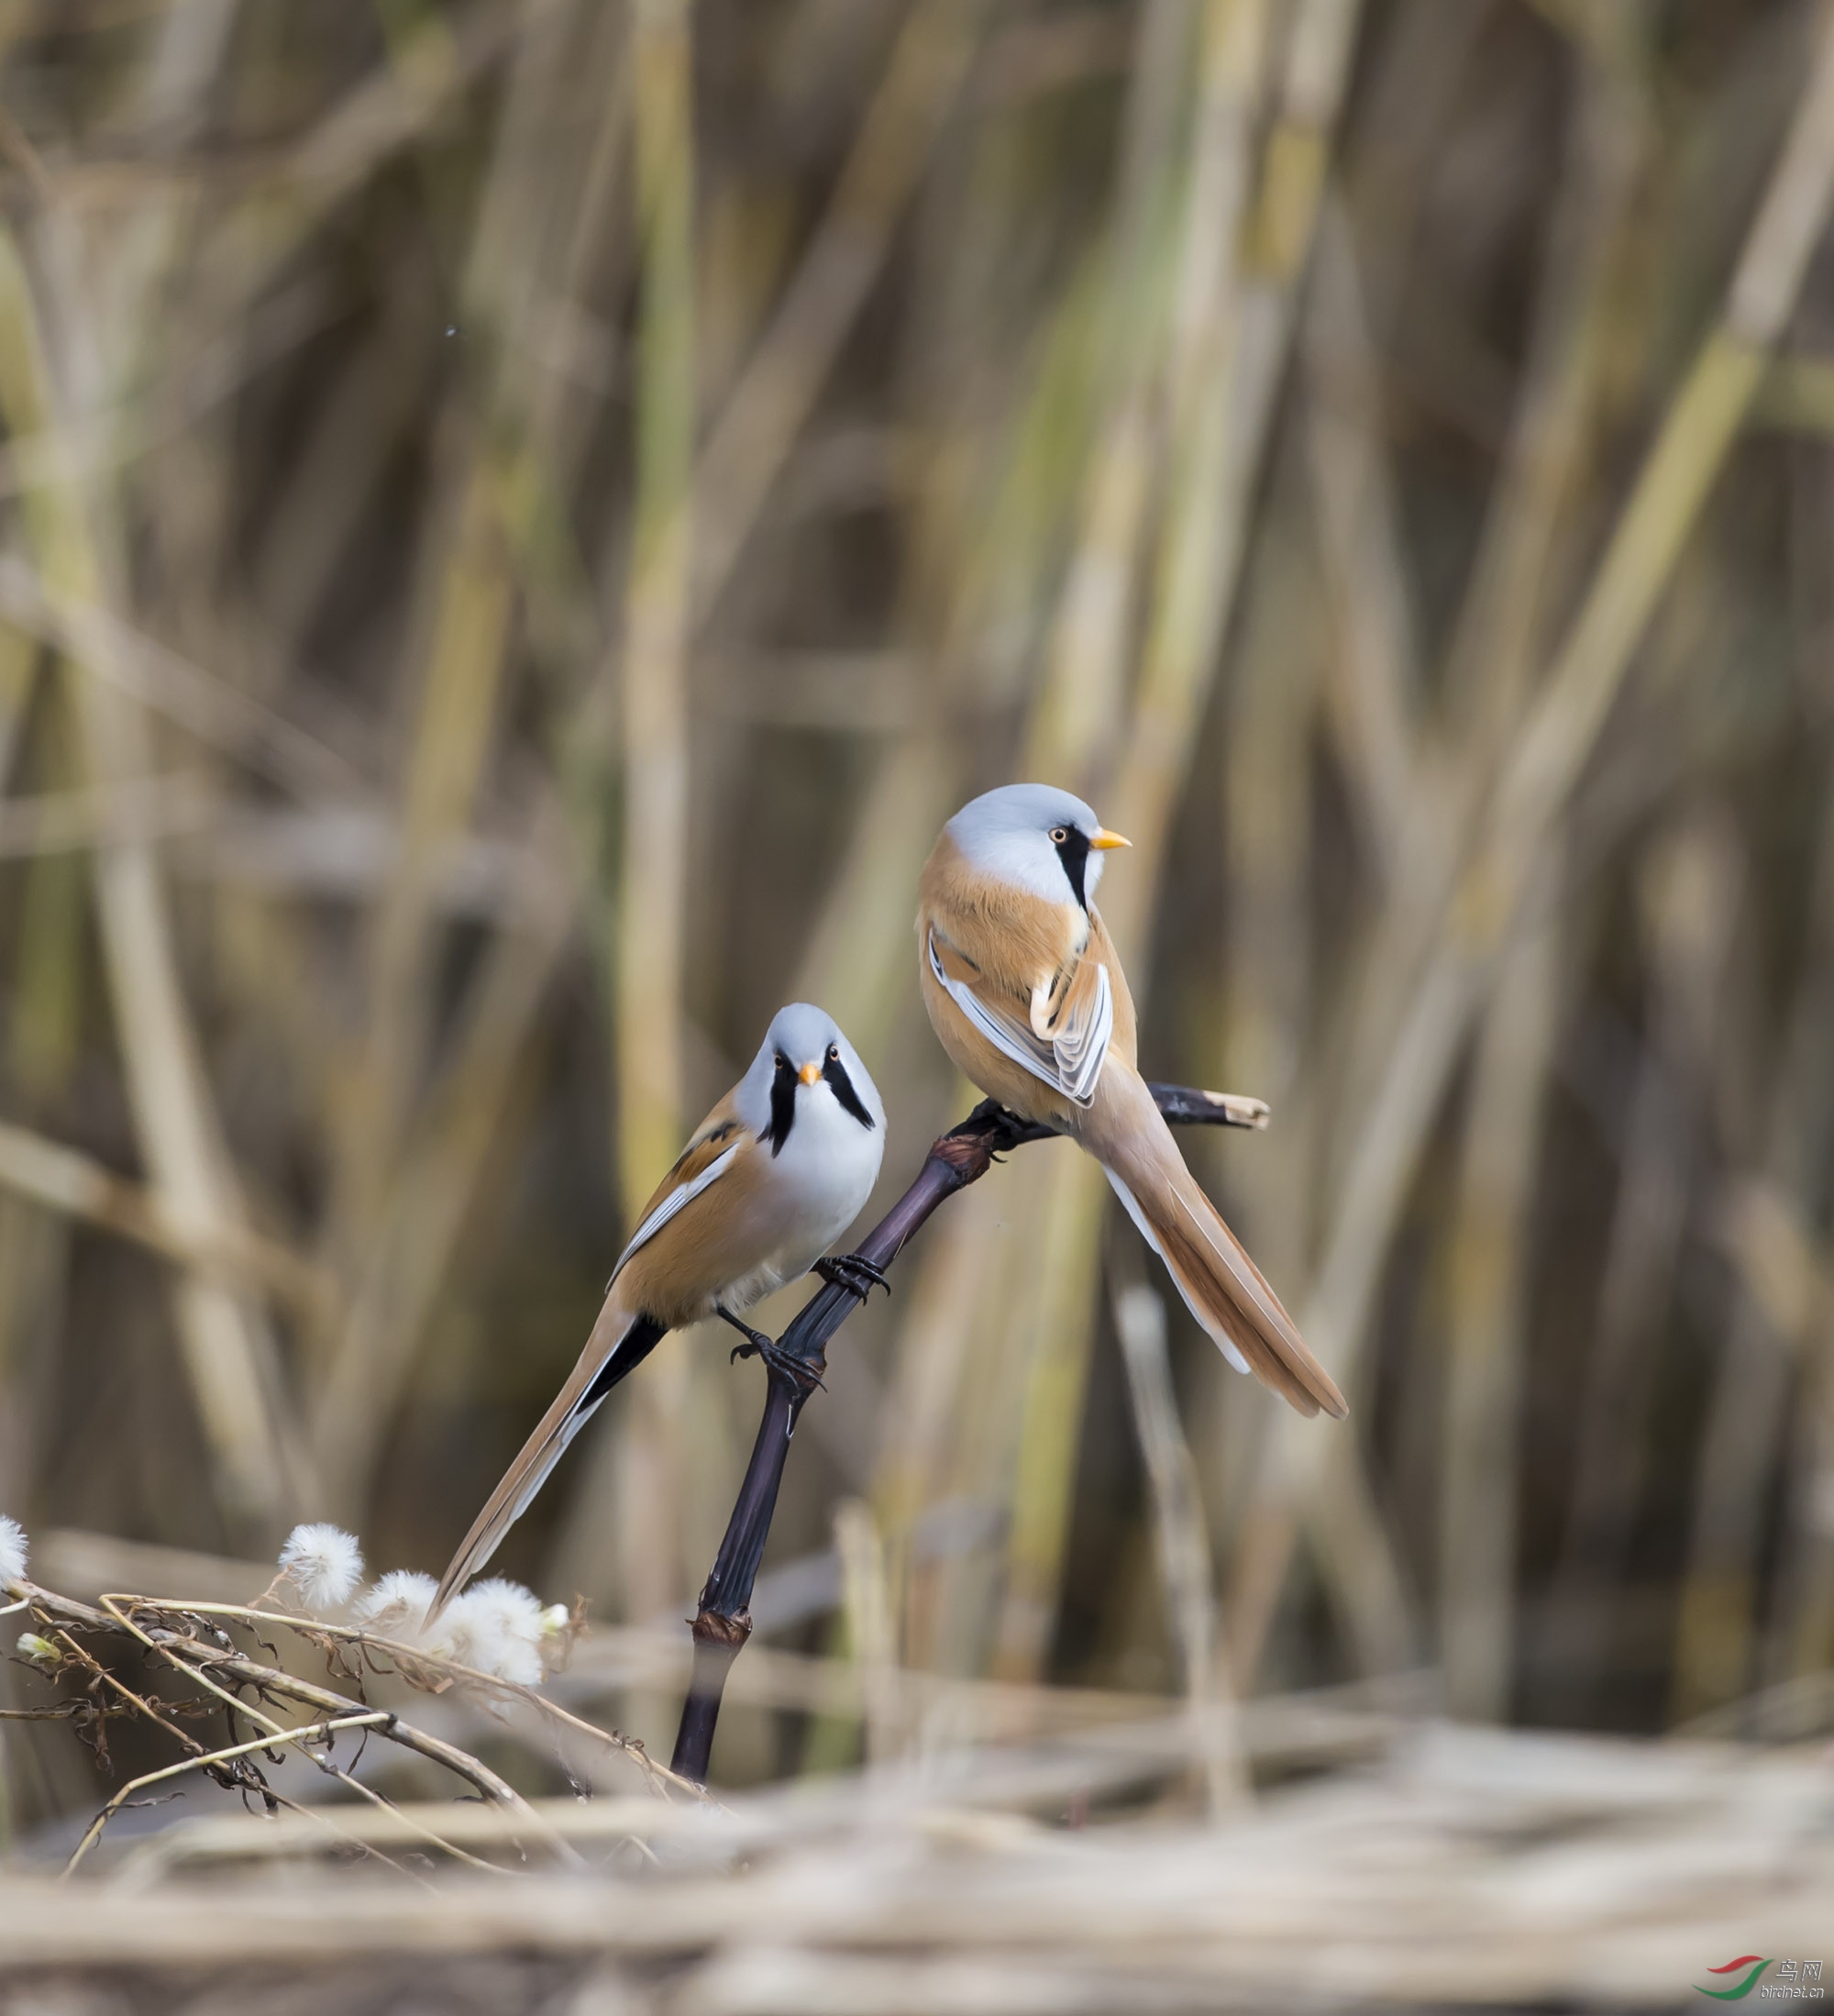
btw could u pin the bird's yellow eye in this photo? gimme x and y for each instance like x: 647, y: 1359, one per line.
x: 1059, y: 835
x: 834, y: 1053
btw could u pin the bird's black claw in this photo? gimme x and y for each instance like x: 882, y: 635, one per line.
x: 787, y: 1364
x: 797, y: 1370
x: 853, y: 1273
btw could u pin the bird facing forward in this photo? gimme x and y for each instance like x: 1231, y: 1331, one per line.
x: 1026, y: 995
x: 778, y: 1169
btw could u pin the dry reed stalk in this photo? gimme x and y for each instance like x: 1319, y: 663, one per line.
x: 858, y: 961
x: 229, y: 1352
x: 1269, y: 1004
x: 1486, y: 1316
x: 1717, y: 1627
x: 1786, y: 1278
x: 1373, y: 693
x: 1182, y: 1546
x: 987, y: 570
x: 1314, y: 62
x: 43, y: 1041
x: 1497, y: 612
x: 1692, y: 893
x: 360, y: 424
x: 468, y: 592
x: 923, y: 1394
x: 610, y: 1661
x: 237, y: 1842
x: 984, y: 499
x: 865, y: 1606
x: 1188, y: 579
x: 1052, y: 1301
x: 1542, y: 770
x: 432, y: 62
x: 18, y: 677
x: 1800, y: 1642
x: 1192, y: 573
x: 1078, y: 709
x: 1503, y: 612
x: 654, y: 758
x: 1656, y: 1855
x: 1372, y: 697
x: 447, y: 747
x: 1073, y: 718
x: 434, y: 1191
x: 63, y: 1180
x: 769, y: 406
x: 135, y: 667
x: 406, y: 1178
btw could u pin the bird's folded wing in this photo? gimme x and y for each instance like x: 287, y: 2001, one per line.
x: 1066, y: 1051
x: 1081, y: 1027
x: 706, y: 1158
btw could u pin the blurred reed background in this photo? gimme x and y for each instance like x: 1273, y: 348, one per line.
x: 521, y: 518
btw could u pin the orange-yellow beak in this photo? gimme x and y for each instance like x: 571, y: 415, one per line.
x: 810, y: 1073
x: 1102, y: 838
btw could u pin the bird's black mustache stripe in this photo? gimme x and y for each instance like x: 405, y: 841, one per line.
x: 836, y: 1072
x: 783, y: 1104
x: 783, y: 1084
x: 1073, y: 851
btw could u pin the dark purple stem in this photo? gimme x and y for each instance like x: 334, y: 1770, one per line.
x: 958, y: 1158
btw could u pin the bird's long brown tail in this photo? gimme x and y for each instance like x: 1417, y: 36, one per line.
x: 1223, y: 1287
x: 622, y: 1338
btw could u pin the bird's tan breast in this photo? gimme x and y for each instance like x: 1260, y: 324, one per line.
x: 1010, y: 936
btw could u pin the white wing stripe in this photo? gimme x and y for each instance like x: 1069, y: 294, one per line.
x: 675, y: 1201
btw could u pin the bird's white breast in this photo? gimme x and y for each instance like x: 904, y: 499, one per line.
x: 815, y: 1188
x: 828, y: 1165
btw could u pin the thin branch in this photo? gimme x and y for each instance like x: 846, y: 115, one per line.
x: 375, y: 1718
x: 958, y: 1158
x: 414, y: 1659
x: 200, y: 1662
x: 197, y: 1751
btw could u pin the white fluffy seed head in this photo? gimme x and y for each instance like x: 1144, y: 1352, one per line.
x: 323, y: 1563
x: 496, y: 1626
x: 396, y: 1605
x: 32, y: 1647
x: 13, y: 1551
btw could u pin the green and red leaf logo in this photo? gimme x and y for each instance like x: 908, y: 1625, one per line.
x: 1738, y: 1991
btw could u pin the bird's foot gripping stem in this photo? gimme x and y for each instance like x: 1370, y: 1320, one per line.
x: 853, y: 1273
x: 788, y: 1364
